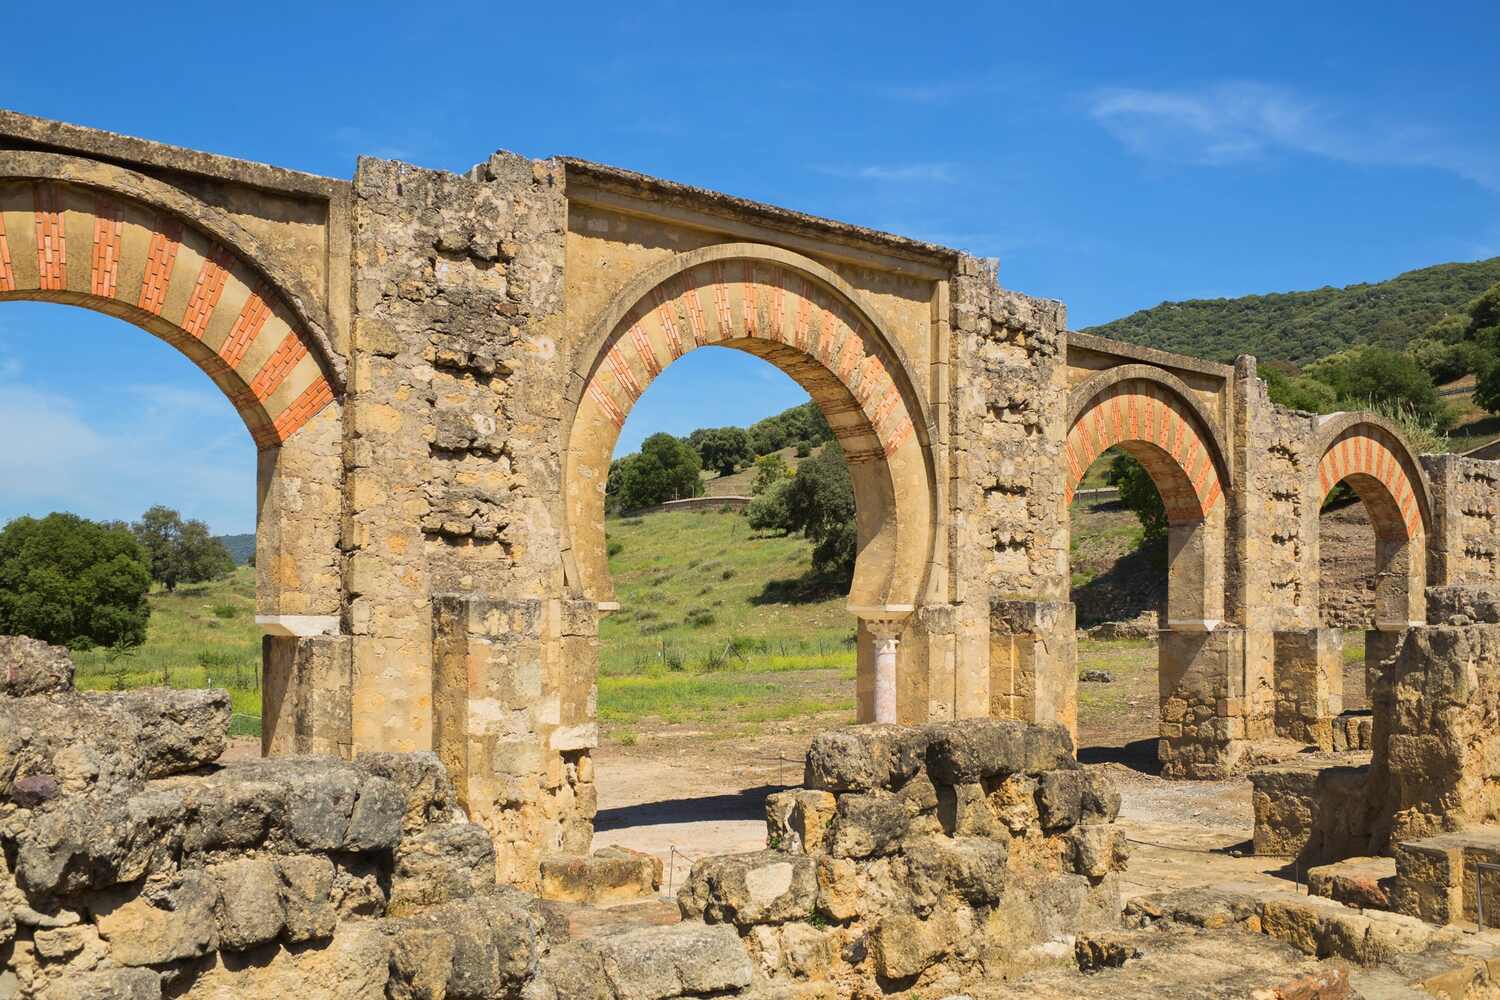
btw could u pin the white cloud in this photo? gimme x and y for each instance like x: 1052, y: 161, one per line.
x: 925, y: 173
x: 1242, y: 121
x: 173, y: 446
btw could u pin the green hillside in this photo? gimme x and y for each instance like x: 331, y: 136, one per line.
x: 241, y: 547
x: 1303, y: 326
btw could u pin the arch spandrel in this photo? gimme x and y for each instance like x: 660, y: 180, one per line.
x: 96, y: 248
x: 800, y: 318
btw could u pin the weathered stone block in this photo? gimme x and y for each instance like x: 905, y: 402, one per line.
x: 608, y: 875
x: 29, y: 666
x: 171, y: 925
x: 867, y: 824
x: 970, y: 869
x: 765, y: 887
x: 250, y: 909
x: 864, y: 758
x: 974, y: 749
x: 306, y: 889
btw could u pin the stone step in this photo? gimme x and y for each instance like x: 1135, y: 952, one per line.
x: 1438, y: 878
x: 1356, y: 882
x: 610, y: 875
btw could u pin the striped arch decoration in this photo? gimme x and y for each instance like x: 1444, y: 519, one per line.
x: 1369, y: 452
x: 1161, y: 432
x: 769, y: 310
x: 85, y: 247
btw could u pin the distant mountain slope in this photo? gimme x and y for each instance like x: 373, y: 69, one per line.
x: 1302, y: 326
x: 242, y: 547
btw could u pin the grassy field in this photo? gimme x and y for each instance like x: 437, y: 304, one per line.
x: 203, y: 635
x: 719, y: 630
x: 714, y: 620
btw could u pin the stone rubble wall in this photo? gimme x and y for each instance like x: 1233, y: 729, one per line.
x: 922, y: 858
x: 134, y: 865
x: 1434, y: 737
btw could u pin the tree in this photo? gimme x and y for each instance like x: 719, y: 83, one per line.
x: 180, y: 551
x: 1365, y: 376
x: 820, y: 504
x: 769, y: 470
x: 666, y: 468
x: 1138, y: 493
x: 1300, y: 392
x: 768, y: 510
x: 722, y: 448
x: 70, y: 581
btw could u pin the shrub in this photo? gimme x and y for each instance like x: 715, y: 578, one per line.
x: 699, y: 618
x: 614, y: 548
x: 225, y: 611
x: 768, y: 511
x: 728, y: 574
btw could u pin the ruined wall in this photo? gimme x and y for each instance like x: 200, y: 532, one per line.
x: 455, y: 492
x: 1009, y: 554
x: 1465, y: 543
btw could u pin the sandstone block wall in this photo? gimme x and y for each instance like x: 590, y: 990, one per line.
x: 957, y: 852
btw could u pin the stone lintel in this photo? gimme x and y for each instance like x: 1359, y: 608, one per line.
x: 298, y: 626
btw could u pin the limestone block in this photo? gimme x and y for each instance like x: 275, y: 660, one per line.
x: 175, y: 924
x: 1059, y: 798
x: 107, y: 984
x: 971, y: 869
x: 839, y: 896
x: 103, y: 737
x: 651, y: 963
x: 495, y: 941
x: 965, y: 811
x: 903, y: 945
x: 608, y: 875
x: 1283, y: 801
x: 866, y: 825
x: 1098, y: 849
x: 250, y: 910
x: 29, y: 666
x: 764, y: 887
x: 975, y: 749
x: 305, y: 883
x: 797, y: 820
x: 444, y: 862
x: 864, y: 758
x: 421, y: 964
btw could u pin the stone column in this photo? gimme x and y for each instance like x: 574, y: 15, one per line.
x: 887, y: 638
x: 885, y: 626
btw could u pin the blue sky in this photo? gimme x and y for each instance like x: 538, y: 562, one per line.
x: 1111, y: 155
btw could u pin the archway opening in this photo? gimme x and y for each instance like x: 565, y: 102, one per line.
x: 125, y: 456
x: 1372, y: 576
x: 1166, y: 459
x: 730, y: 535
x: 798, y: 320
x: 130, y: 247
x: 1119, y: 574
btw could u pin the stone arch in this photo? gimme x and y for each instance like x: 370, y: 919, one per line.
x: 1369, y: 453
x: 805, y: 320
x: 95, y: 236
x: 1152, y: 416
